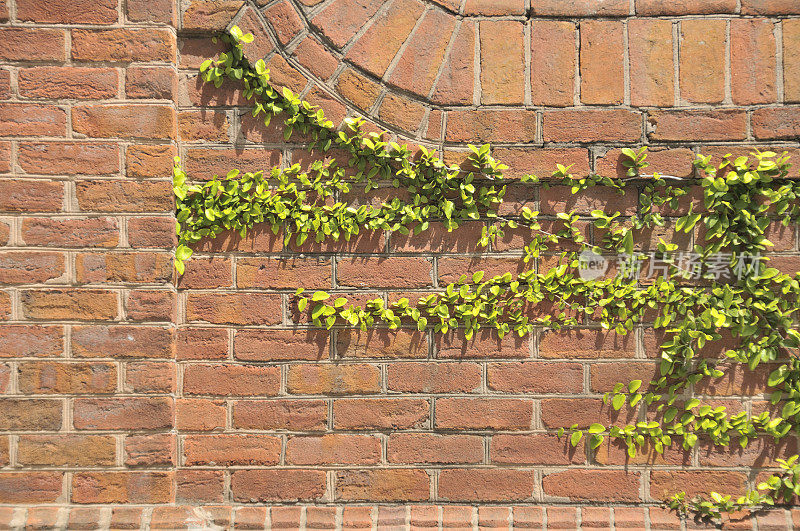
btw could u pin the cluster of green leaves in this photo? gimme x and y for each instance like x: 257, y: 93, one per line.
x: 739, y: 200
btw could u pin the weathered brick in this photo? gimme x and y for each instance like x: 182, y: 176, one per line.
x: 697, y: 125
x: 150, y: 305
x: 123, y: 45
x: 150, y: 450
x: 534, y: 449
x: 151, y: 82
x: 651, y: 62
x: 324, y: 379
x: 231, y: 380
x: 277, y: 485
x: 199, y: 486
x: 602, y: 79
x: 397, y: 272
x: 664, y: 484
x: 770, y: 7
x: 483, y: 414
x: 401, y: 112
x: 22, y: 341
x: 456, y: 80
x: 375, y: 49
x: 226, y: 450
x: 198, y: 414
x: 753, y: 61
x: 31, y: 196
x: 122, y: 342
x: 211, y: 15
x: 586, y: 344
x: 791, y: 60
x: 124, y: 196
x: 32, y: 44
x: 150, y: 377
x: 491, y: 126
x: 122, y: 487
x: 486, y: 484
x: 429, y: 448
x: 334, y: 448
x: 776, y: 123
x: 69, y: 304
x: 23, y: 267
x: 234, y: 308
x: 124, y: 121
x: 593, y: 125
x: 593, y: 485
x: 684, y: 7
x: 315, y: 57
x: 60, y: 12
x: 37, y: 414
x: 383, y: 485
x: 275, y: 345
x: 358, y: 89
x: 400, y: 343
x: 151, y: 232
x: 68, y: 158
x: 203, y: 125
x: 565, y: 412
x: 53, y: 377
x: 123, y: 413
x: 581, y: 8
x: 284, y: 273
x: 123, y: 267
x: 66, y: 450
x: 552, y: 63
x: 422, y: 57
x: 149, y: 161
x: 293, y: 415
x: 502, y: 53
x: 283, y: 74
x: 27, y: 119
x: 485, y: 344
x: 162, y: 11
x: 380, y: 413
x: 52, y: 82
x: 30, y: 487
x: 85, y: 517
x: 341, y: 19
x: 535, y: 377
x: 203, y: 163
x: 284, y: 20
x: 702, y: 61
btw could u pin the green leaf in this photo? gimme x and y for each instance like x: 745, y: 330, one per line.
x: 575, y: 438
x: 618, y: 401
x: 597, y: 428
x: 320, y: 296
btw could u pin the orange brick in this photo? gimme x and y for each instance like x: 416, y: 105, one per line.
x: 702, y: 61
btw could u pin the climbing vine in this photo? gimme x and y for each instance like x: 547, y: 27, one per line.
x: 740, y: 198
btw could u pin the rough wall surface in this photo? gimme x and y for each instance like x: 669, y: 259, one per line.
x: 122, y: 387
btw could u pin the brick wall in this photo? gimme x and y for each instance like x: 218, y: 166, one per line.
x: 124, y: 387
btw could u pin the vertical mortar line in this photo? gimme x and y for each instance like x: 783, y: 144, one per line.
x: 13, y: 445
x: 576, y: 88
x: 676, y: 56
x: 728, y: 97
x: 476, y: 66
x: 526, y: 43
x: 777, y: 32
x: 626, y: 64
x: 120, y: 449
x: 402, y: 49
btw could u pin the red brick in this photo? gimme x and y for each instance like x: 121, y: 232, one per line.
x: 581, y: 8
x: 491, y: 125
x: 434, y: 377
x: 281, y: 273
x: 226, y: 450
x: 791, y: 60
x: 126, y: 517
x: 541, y: 161
x: 68, y: 158
x: 664, y: 484
x: 355, y: 517
x: 31, y: 196
x: 564, y: 412
x: 122, y: 487
x: 115, y: 268
x: 380, y: 413
x: 150, y: 305
x: 399, y: 272
x: 123, y: 45
x: 150, y: 377
x: 552, y: 63
x: 197, y: 414
x: 602, y: 79
x: 535, y: 377
x: 456, y: 516
x: 456, y: 80
x: 21, y: 267
x: 66, y: 450
x: 604, y: 376
x: 770, y: 7
x: 593, y: 485
x: 277, y: 485
x: 262, y: 43
x: 151, y: 11
x: 753, y: 61
x: 212, y: 15
x: 334, y: 448
x: 294, y: 415
x: 697, y: 125
x: 202, y: 343
x: 150, y: 450
x: 124, y: 121
x: 428, y: 448
x: 50, y: 377
x: 651, y: 62
x: 483, y: 414
x: 358, y: 89
x: 203, y: 125
x: 238, y: 308
x: 124, y: 196
x: 69, y: 304
x: 421, y: 59
x: 401, y: 112
x: 592, y: 125
x: 85, y: 517
x: 340, y: 20
x: 684, y: 7
x: 32, y: 44
x: 149, y: 161
x: 486, y: 485
x: 776, y: 123
x: 284, y: 20
x: 274, y: 345
x: 319, y: 379
x: 375, y: 49
x: 204, y: 163
x: 22, y: 341
x: 671, y: 161
x: 151, y: 231
x: 702, y: 61
x: 231, y: 380
x: 52, y: 82
x: 534, y: 449
x: 146, y: 82
x: 205, y: 273
x: 21, y: 414
x: 315, y: 57
x: 485, y: 344
x: 30, y: 487
x: 60, y: 12
x: 25, y: 119
x: 123, y: 413
x: 452, y: 269
x: 321, y: 517
x: 282, y: 74
x: 502, y: 79
x: 199, y: 486
x: 382, y: 485
x: 334, y: 110
x: 122, y: 342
